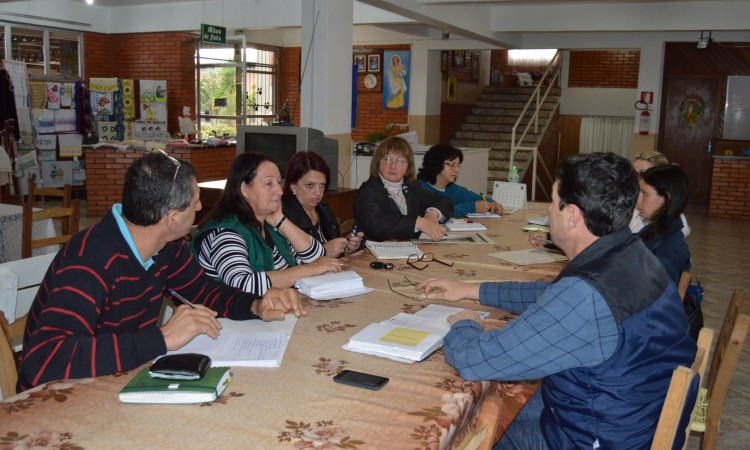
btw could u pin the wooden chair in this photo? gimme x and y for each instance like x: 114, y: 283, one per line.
x: 679, y: 404
x: 727, y: 352
x: 19, y: 282
x: 683, y: 284
x: 69, y: 216
x: 65, y: 194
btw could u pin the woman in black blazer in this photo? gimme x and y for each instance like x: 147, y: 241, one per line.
x: 391, y: 205
x: 305, y: 182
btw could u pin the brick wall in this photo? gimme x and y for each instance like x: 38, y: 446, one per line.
x: 212, y: 163
x: 105, y: 170
x: 730, y: 189
x: 604, y: 68
x: 290, y: 63
x: 548, y: 149
x: 146, y: 56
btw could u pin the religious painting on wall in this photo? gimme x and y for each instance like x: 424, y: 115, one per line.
x: 396, y: 79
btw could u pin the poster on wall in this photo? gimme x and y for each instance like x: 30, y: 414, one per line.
x: 396, y: 79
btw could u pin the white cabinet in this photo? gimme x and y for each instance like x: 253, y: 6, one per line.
x: 473, y: 170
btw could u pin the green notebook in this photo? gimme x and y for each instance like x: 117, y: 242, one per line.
x: 145, y: 389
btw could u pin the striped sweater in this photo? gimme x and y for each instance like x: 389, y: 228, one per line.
x: 96, y: 311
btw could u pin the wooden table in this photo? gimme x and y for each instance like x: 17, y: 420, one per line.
x: 426, y: 405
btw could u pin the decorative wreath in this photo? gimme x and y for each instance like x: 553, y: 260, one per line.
x: 691, y: 109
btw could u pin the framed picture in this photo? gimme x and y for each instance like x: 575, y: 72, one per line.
x: 444, y: 61
x: 396, y: 73
x: 373, y: 63
x: 459, y: 58
x: 475, y: 68
x: 361, y: 62
x: 450, y: 94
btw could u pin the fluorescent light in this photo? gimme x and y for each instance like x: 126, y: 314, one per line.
x: 89, y: 2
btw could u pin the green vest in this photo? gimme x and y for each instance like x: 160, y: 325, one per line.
x: 260, y: 256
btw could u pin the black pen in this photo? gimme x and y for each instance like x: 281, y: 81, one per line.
x: 354, y: 231
x: 181, y: 298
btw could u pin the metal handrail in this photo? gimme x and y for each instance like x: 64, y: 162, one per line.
x: 553, y: 69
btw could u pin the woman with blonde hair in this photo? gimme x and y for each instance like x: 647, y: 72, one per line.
x: 391, y: 205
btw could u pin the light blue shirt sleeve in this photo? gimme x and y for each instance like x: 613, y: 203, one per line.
x: 568, y: 325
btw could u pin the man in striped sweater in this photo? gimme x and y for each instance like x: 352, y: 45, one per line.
x: 97, y: 309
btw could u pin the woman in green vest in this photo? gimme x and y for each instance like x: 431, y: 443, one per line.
x: 247, y: 242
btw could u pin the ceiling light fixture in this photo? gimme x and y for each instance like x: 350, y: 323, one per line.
x: 89, y: 2
x: 705, y: 41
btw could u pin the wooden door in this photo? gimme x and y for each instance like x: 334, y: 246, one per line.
x: 689, y: 115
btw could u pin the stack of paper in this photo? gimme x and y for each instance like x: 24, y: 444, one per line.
x: 543, y: 220
x: 332, y: 285
x: 145, y: 389
x: 405, y: 337
x: 246, y: 343
x: 464, y: 225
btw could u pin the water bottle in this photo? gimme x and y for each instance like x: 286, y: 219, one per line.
x: 513, y: 175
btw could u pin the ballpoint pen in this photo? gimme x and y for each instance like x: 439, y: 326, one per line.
x: 181, y: 298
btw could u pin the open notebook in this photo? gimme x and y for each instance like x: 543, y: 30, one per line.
x: 245, y: 343
x: 392, y: 250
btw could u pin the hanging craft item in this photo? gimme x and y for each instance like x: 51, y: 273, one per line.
x: 691, y: 109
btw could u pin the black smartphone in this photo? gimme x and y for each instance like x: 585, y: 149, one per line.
x: 365, y: 380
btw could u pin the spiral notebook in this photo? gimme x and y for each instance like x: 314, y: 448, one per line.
x: 392, y: 250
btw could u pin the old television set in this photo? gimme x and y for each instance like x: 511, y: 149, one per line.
x: 280, y: 143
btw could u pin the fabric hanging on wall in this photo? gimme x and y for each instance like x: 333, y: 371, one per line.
x: 102, y: 99
x: 24, y: 126
x: 38, y: 92
x: 66, y: 95
x: 44, y: 120
x: 128, y: 99
x: 607, y: 134
x: 53, y: 95
x: 119, y: 114
x: 65, y: 121
x: 153, y: 100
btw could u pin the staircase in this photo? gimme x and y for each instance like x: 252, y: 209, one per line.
x: 490, y: 124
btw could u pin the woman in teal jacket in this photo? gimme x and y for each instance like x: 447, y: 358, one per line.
x: 439, y: 171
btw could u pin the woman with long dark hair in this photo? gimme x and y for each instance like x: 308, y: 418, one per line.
x: 247, y: 241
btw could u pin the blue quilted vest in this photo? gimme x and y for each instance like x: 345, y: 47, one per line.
x: 618, y: 402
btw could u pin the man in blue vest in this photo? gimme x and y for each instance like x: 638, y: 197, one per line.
x: 605, y: 335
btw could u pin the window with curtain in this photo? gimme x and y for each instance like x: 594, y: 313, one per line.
x: 607, y: 134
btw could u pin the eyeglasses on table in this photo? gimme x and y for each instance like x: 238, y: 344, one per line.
x: 414, y: 259
x: 407, y: 282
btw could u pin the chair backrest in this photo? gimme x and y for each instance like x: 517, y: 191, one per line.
x: 69, y: 217
x: 673, y: 426
x: 727, y: 352
x: 19, y: 282
x: 65, y: 194
x: 683, y: 284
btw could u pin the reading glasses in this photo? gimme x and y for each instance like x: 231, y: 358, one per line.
x: 407, y: 282
x: 397, y: 161
x: 425, y: 258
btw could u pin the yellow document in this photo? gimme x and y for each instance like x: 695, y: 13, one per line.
x: 404, y: 336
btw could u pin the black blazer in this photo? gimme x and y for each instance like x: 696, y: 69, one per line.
x: 378, y: 216
x: 328, y: 223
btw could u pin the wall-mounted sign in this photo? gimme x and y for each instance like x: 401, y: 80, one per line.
x: 213, y: 34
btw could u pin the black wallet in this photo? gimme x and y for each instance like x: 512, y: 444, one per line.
x: 184, y: 366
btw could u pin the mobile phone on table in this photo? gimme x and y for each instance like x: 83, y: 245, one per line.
x: 360, y: 379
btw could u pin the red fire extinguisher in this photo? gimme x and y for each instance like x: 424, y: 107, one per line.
x: 645, y: 118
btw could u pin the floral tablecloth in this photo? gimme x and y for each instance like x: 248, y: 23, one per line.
x: 425, y: 405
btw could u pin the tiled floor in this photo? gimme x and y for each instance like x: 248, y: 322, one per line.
x: 721, y: 260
